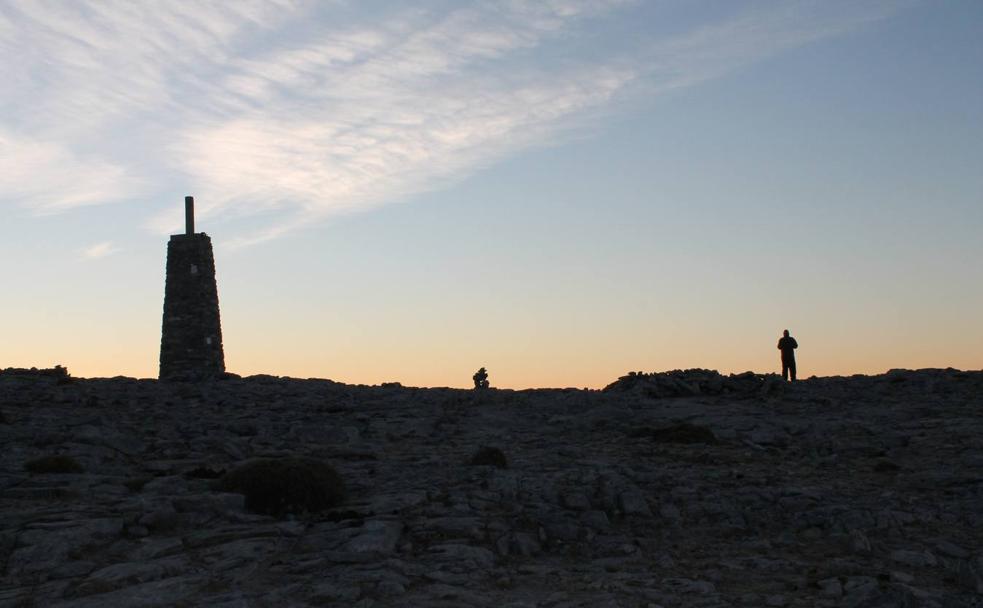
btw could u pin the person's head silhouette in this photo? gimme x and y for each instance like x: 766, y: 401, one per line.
x: 786, y: 333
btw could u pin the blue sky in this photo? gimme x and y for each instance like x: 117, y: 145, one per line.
x: 560, y: 191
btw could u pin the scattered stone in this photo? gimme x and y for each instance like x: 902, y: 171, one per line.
x: 970, y: 576
x: 598, y: 520
x: 576, y: 501
x: 685, y: 586
x: 161, y: 518
x: 377, y: 537
x: 786, y: 507
x: 952, y: 550
x: 914, y: 558
x: 677, y: 433
x: 902, y: 577
x: 670, y: 512
x: 126, y: 574
x: 632, y: 502
x: 472, y: 557
x: 390, y: 588
x: 831, y: 587
x: 525, y: 544
x: 859, y: 542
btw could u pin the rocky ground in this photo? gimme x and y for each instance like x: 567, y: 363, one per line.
x: 676, y: 489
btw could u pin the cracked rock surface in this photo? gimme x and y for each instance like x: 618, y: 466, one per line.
x: 676, y: 489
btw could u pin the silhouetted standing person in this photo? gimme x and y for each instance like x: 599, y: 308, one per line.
x: 480, y: 379
x: 787, y: 345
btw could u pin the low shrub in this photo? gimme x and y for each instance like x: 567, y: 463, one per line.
x: 490, y: 456
x: 53, y: 464
x: 136, y: 484
x: 204, y: 473
x: 285, y: 485
x: 886, y: 466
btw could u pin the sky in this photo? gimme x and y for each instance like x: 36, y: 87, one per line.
x: 561, y: 191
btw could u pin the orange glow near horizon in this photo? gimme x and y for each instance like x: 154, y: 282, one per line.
x: 591, y: 359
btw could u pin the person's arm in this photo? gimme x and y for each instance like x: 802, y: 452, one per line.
x: 794, y: 343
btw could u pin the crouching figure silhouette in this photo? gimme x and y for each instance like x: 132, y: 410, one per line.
x: 480, y: 379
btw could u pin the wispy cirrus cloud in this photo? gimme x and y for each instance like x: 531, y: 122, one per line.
x: 714, y: 49
x: 311, y: 110
x: 49, y: 178
x: 99, y: 250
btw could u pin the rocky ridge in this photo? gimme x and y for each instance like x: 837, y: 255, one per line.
x: 685, y: 488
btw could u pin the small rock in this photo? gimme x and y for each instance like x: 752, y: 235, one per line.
x: 670, y: 512
x: 171, y: 484
x: 163, y: 518
x: 859, y: 582
x: 831, y: 587
x: 901, y: 577
x: 390, y: 588
x: 326, y: 592
x: 378, y: 537
x: 466, y: 555
x: 561, y: 529
x: 914, y: 558
x: 121, y: 575
x: 72, y: 569
x: 970, y: 577
x: 632, y: 502
x: 598, y: 520
x: 687, y: 586
x: 524, y: 544
x: 576, y: 501
x: 952, y: 550
x: 859, y: 543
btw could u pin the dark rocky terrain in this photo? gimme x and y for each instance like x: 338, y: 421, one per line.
x: 677, y: 489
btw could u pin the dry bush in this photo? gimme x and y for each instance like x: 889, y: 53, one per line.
x: 285, y: 485
x: 490, y: 456
x: 53, y: 464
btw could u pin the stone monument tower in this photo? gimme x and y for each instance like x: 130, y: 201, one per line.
x: 191, y: 337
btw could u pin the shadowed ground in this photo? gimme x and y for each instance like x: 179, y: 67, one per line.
x: 677, y: 489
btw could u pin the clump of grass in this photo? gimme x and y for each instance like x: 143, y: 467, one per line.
x: 489, y: 456
x: 285, y: 485
x: 53, y: 464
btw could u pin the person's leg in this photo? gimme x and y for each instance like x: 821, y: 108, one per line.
x: 784, y: 371
x: 791, y: 368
